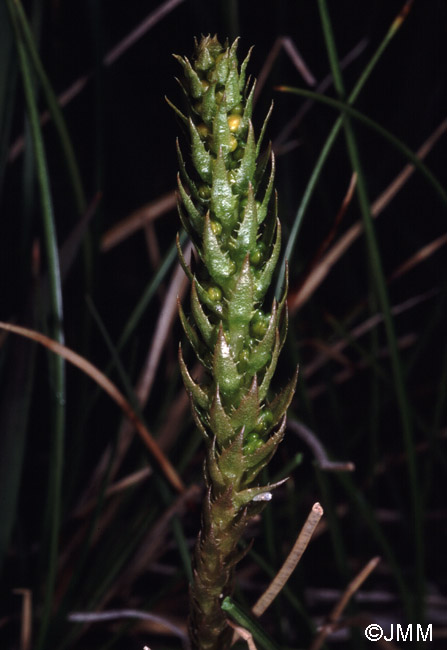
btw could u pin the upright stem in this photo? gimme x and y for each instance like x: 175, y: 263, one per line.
x: 224, y: 205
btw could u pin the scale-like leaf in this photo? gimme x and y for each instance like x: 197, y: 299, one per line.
x: 225, y: 370
x: 194, y: 83
x: 247, y: 413
x: 263, y: 208
x: 184, y: 221
x: 230, y: 461
x: 282, y: 401
x: 184, y: 174
x: 206, y: 329
x: 177, y: 111
x: 214, y: 473
x: 265, y: 276
x: 245, y: 173
x: 237, y: 239
x: 223, y: 201
x: 232, y: 94
x: 248, y: 228
x: 268, y: 375
x: 194, y: 214
x: 261, y: 165
x: 243, y: 498
x: 208, y: 107
x: 263, y: 129
x: 262, y: 353
x: 240, y: 307
x: 259, y: 458
x: 199, y: 423
x: 220, y: 423
x: 217, y: 261
x: 199, y: 396
x: 219, y: 72
x: 221, y: 130
x: 243, y: 70
x: 248, y: 108
x: 200, y: 156
x: 193, y: 338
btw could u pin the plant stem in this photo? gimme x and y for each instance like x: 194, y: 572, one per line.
x: 382, y: 294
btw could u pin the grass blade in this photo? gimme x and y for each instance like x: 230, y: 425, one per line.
x: 313, y: 180
x: 8, y: 82
x: 57, y: 365
x: 346, y: 109
x: 149, y: 292
x: 54, y: 108
x: 109, y: 388
x: 13, y: 424
x: 382, y: 294
x: 229, y: 606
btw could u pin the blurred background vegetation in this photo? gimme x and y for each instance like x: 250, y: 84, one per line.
x: 89, y: 520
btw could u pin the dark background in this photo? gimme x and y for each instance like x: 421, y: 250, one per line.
x: 123, y: 134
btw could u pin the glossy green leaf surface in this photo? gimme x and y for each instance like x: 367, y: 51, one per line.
x: 225, y: 204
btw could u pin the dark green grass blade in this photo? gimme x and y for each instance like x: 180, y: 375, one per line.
x: 382, y: 294
x: 18, y: 359
x: 177, y: 529
x: 345, y: 108
x: 109, y: 562
x: 168, y: 586
x: 162, y: 486
x: 131, y: 325
x: 123, y: 375
x: 261, y: 637
x: 14, y: 409
x: 313, y: 180
x: 369, y: 357
x: 335, y: 526
x: 77, y: 579
x: 8, y: 83
x: 366, y: 513
x: 230, y: 15
x: 54, y: 108
x: 57, y: 366
x: 288, y: 467
x: 143, y: 303
x: 149, y: 292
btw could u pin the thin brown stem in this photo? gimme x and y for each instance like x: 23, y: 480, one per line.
x: 137, y: 220
x: 118, y: 50
x: 341, y: 246
x: 291, y: 561
x: 26, y: 622
x: 340, y: 606
x: 109, y: 387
